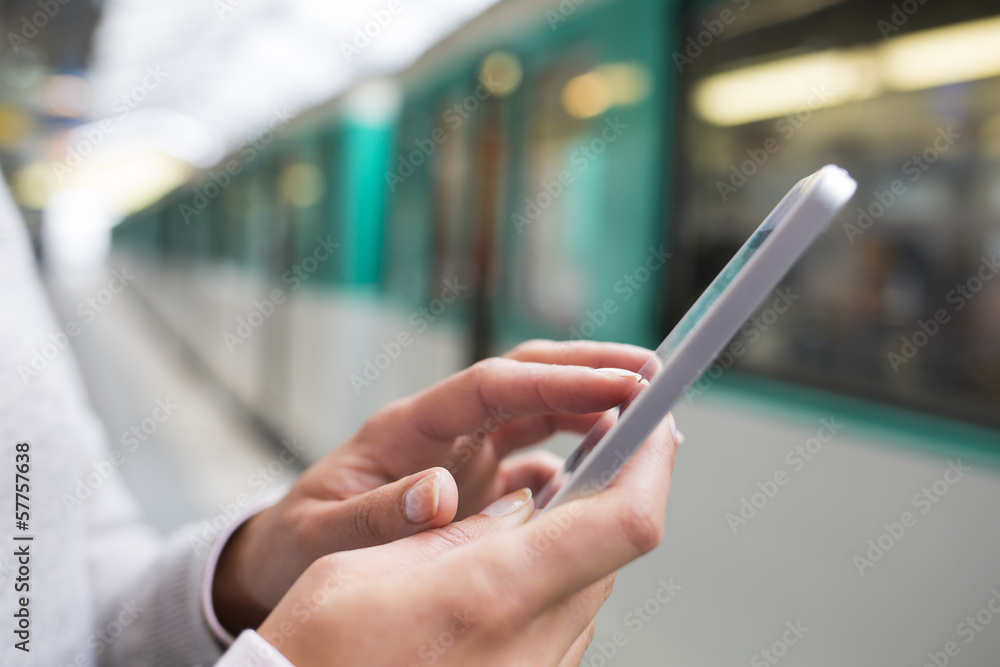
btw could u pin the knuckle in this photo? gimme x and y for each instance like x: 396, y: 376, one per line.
x: 488, y: 366
x: 609, y: 585
x: 327, y: 562
x: 304, y: 523
x: 530, y: 345
x: 385, y: 417
x: 494, y: 591
x: 498, y: 595
x: 330, y: 572
x: 365, y: 523
x: 455, y: 535
x: 642, y: 525
x: 373, y: 426
x: 320, y: 569
x: 483, y: 374
x: 574, y: 401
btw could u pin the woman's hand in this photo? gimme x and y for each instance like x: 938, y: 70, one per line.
x: 422, y: 461
x: 487, y: 591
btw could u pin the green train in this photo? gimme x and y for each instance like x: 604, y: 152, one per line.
x: 582, y: 169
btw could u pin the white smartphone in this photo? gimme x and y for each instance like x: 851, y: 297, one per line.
x: 700, y: 335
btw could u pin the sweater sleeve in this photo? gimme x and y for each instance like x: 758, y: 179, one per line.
x: 109, y: 589
x: 174, y: 621
x: 167, y: 624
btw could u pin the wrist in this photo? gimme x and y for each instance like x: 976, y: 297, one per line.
x: 235, y: 606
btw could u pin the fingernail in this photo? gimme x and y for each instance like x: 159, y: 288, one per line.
x: 679, y: 438
x: 644, y: 382
x: 508, y: 504
x: 673, y: 425
x: 422, y: 499
x: 620, y: 372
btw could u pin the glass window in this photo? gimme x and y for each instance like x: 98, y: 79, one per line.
x: 900, y: 300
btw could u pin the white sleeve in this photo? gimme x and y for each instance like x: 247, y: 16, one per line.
x: 108, y: 590
x: 177, y: 624
x: 251, y: 649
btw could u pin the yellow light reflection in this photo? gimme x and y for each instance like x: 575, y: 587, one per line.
x: 629, y: 82
x: 587, y: 95
x: 501, y: 73
x: 612, y: 84
x: 302, y: 185
x: 126, y: 183
x: 33, y: 185
x: 16, y: 127
x: 785, y: 86
x: 133, y: 182
x: 962, y: 52
x: 922, y: 60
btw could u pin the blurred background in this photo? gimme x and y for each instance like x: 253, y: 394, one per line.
x: 277, y: 217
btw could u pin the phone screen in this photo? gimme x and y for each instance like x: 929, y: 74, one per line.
x: 668, y: 348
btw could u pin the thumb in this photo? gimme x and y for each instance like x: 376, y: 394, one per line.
x: 410, y: 505
x: 509, y: 511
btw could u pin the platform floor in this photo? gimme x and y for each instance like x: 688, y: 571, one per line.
x: 786, y: 583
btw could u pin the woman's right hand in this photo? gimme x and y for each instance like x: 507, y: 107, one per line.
x: 490, y: 590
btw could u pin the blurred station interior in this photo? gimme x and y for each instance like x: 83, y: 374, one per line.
x: 281, y: 216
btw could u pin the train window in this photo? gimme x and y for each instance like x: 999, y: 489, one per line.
x: 582, y: 247
x: 900, y: 300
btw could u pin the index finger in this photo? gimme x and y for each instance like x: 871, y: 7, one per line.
x: 576, y: 544
x: 582, y: 353
x: 480, y: 399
